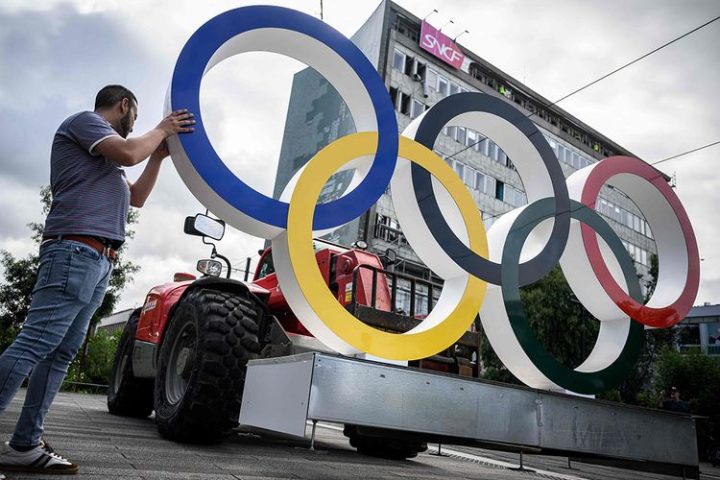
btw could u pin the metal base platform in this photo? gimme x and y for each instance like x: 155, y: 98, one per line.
x: 281, y: 394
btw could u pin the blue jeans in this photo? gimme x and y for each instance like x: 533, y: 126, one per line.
x: 70, y: 286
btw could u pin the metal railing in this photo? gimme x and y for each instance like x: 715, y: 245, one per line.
x: 393, y: 279
x: 389, y: 234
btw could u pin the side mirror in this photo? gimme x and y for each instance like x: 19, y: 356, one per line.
x: 204, y: 226
x: 212, y: 268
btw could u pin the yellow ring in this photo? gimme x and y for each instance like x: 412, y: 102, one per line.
x: 420, y: 342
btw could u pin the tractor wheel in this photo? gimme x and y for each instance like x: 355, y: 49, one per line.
x: 127, y: 395
x: 202, y: 364
x: 375, y: 443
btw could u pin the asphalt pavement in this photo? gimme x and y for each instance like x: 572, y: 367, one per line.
x: 109, y: 447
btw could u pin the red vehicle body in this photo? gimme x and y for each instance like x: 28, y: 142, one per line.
x: 337, y: 268
x: 184, y: 354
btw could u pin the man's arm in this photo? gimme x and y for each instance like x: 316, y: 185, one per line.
x: 131, y: 151
x: 140, y: 190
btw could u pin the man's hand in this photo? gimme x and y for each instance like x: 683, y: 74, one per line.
x: 161, y: 151
x: 179, y: 121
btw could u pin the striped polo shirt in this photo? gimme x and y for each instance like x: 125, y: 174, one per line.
x: 90, y: 195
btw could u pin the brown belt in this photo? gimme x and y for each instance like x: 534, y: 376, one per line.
x: 91, y: 242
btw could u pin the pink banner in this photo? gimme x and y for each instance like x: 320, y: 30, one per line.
x: 440, y: 45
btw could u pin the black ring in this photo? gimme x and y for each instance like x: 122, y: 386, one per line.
x: 428, y: 130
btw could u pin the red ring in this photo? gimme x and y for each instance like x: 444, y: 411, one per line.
x: 654, y: 317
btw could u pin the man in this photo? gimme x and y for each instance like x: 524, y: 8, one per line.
x: 84, y: 229
x: 674, y: 403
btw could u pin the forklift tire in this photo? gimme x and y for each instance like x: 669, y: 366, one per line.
x: 202, y: 364
x: 372, y: 442
x: 127, y: 395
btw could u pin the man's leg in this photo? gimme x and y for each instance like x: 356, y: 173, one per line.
x: 49, y: 374
x: 67, y: 276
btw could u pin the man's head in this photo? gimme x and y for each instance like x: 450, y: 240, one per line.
x: 675, y: 393
x: 119, y: 107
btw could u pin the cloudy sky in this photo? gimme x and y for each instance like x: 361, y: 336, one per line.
x: 55, y: 55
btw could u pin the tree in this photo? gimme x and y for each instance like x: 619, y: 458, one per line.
x: 635, y: 387
x: 697, y: 376
x: 559, y: 321
x: 15, y: 294
x: 20, y: 274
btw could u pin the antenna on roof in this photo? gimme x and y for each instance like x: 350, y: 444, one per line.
x: 321, y: 9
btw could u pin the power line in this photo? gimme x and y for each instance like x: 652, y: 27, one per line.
x: 653, y: 163
x: 686, y: 153
x: 637, y: 59
x: 604, y: 77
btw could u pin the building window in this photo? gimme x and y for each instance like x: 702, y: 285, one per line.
x: 417, y: 109
x: 499, y: 190
x: 442, y: 86
x: 479, y: 182
x: 398, y: 60
x: 409, y: 65
x: 404, y: 104
x: 461, y: 135
x: 490, y: 184
x: 471, y: 138
x: 494, y: 152
x: 469, y: 177
x: 420, y: 70
x: 388, y: 229
x: 485, y: 147
x: 514, y: 197
x: 459, y: 169
x: 502, y: 158
x: 431, y: 79
x: 451, y: 132
x: 394, y: 96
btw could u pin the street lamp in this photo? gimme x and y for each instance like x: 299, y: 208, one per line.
x: 460, y: 34
x: 426, y: 16
x: 446, y: 24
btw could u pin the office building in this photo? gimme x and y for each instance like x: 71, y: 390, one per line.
x: 417, y: 76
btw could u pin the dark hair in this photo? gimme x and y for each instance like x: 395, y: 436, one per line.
x: 112, y: 94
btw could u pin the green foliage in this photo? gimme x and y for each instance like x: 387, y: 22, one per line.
x: 7, y: 335
x: 559, y: 321
x: 15, y: 294
x: 636, y: 389
x: 98, y: 360
x: 697, y: 376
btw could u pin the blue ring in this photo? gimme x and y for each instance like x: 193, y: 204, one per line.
x: 185, y: 93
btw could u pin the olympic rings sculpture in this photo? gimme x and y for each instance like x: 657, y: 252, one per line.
x: 482, y: 271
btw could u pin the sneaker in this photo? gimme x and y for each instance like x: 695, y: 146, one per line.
x: 41, y: 459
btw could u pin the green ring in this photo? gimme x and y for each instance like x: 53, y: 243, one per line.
x: 561, y: 375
